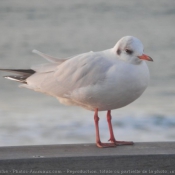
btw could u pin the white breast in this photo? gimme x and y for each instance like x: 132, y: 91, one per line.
x: 123, y: 84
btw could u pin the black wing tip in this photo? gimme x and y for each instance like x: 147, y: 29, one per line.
x: 21, y: 79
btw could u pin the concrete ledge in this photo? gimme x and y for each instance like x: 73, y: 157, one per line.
x: 142, y: 158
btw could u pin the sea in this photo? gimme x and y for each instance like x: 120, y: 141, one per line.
x: 66, y: 28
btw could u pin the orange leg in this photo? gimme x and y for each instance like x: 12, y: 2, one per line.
x: 112, y: 138
x: 98, y: 141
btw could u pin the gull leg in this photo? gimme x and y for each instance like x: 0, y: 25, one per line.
x: 98, y: 141
x: 112, y: 138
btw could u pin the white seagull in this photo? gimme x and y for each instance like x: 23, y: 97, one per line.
x: 97, y: 81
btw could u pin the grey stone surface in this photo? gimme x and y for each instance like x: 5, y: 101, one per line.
x: 141, y: 158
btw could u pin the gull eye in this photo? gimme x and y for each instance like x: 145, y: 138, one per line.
x: 128, y: 51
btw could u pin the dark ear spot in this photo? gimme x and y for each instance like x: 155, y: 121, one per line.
x: 118, y: 51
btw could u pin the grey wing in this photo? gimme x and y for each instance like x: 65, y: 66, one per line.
x: 71, y: 75
x: 48, y: 67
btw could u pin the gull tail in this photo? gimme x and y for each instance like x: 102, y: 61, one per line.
x: 22, y: 74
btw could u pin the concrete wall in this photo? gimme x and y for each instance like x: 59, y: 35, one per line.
x: 141, y: 158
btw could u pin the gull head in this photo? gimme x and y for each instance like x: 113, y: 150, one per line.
x: 130, y: 49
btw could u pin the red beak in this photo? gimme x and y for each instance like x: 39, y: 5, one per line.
x: 145, y: 57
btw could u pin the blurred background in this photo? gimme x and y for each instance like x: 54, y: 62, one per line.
x: 66, y: 28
